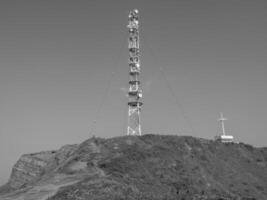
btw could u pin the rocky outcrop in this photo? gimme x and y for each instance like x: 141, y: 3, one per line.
x: 31, y: 167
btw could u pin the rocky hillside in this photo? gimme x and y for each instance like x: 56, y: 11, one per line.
x: 149, y: 167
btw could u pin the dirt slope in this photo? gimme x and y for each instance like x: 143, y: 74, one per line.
x: 150, y: 167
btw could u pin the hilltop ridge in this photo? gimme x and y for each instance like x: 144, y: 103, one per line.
x: 148, y: 167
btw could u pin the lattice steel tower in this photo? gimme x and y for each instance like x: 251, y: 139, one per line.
x: 135, y: 92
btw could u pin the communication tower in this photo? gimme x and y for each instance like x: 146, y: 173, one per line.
x: 223, y: 137
x: 134, y: 92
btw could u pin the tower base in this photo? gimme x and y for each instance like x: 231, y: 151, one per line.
x: 225, y: 138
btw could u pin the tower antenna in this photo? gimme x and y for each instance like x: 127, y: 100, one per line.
x: 135, y: 92
x: 223, y: 137
x: 222, y: 119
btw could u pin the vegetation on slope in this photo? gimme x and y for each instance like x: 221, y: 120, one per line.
x: 154, y: 167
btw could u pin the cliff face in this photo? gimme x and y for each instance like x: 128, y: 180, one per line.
x: 28, y: 169
x: 147, y: 167
x: 31, y: 167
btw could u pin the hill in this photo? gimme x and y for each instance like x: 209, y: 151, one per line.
x: 149, y: 167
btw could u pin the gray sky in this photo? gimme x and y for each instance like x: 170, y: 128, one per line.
x: 56, y: 58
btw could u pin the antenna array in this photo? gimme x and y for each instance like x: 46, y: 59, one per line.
x: 135, y: 92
